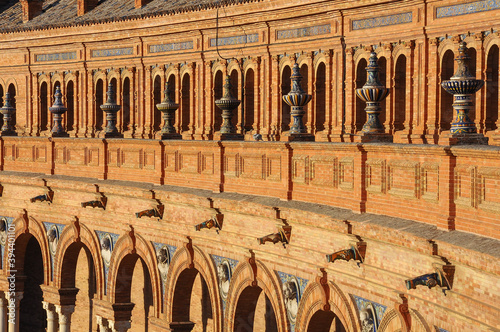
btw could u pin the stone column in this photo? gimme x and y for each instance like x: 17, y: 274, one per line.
x: 350, y: 77
x: 103, y: 324
x: 13, y: 311
x: 64, y: 312
x: 3, y: 314
x: 432, y: 92
x: 121, y: 326
x: 51, y: 313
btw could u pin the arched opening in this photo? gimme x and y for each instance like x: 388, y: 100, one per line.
x: 44, y: 107
x: 254, y: 312
x: 249, y: 106
x: 218, y: 83
x: 126, y: 105
x: 99, y: 100
x: 492, y: 89
x: 185, y: 102
x: 79, y: 272
x: 133, y: 285
x: 156, y: 100
x: 12, y: 91
x: 70, y: 105
x: 192, y: 303
x: 234, y: 91
x: 325, y: 321
x: 32, y: 316
x: 320, y: 96
x: 285, y: 89
x: 360, y: 115
x: 400, y: 93
x: 447, y: 115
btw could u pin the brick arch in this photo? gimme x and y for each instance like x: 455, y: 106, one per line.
x: 185, y: 259
x: 243, y: 277
x: 57, y: 77
x: 315, y: 298
x: 219, y: 65
x: 234, y: 65
x: 100, y: 75
x: 78, y: 234
x: 70, y: 77
x: 472, y: 42
x: 400, y: 49
x: 359, y: 54
x: 490, y: 41
x: 157, y: 71
x: 319, y: 58
x: 130, y: 244
x: 127, y: 73
x: 445, y: 45
x: 285, y: 61
x: 250, y: 63
x: 13, y: 82
x: 390, y: 318
x: 171, y: 70
x: 25, y: 228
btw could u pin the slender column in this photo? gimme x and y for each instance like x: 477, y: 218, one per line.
x: 178, y: 89
x: 192, y: 99
x: 13, y: 308
x: 349, y: 95
x: 419, y: 63
x: 64, y: 313
x: 103, y: 324
x: 208, y: 121
x: 3, y: 314
x: 478, y: 114
x: 276, y: 106
x: 432, y: 93
x: 51, y: 314
x: 311, y: 75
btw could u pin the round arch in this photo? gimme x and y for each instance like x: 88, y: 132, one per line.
x: 245, y: 275
x: 79, y: 234
x: 187, y: 259
x: 315, y: 299
x: 134, y: 244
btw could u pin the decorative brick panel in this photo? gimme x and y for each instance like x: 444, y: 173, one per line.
x: 375, y: 176
x: 403, y: 178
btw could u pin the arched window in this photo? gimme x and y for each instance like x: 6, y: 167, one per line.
x: 360, y: 105
x: 126, y: 105
x: 218, y: 83
x: 285, y: 89
x: 400, y: 93
x: 492, y: 89
x: 157, y: 89
x: 99, y: 100
x: 12, y: 92
x: 249, y: 105
x: 320, y: 96
x: 70, y: 105
x: 446, y: 110
x: 44, y: 107
x: 234, y: 91
x: 185, y: 102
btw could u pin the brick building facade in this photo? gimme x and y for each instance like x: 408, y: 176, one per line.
x: 143, y: 234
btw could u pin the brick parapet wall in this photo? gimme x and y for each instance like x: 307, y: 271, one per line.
x: 452, y: 188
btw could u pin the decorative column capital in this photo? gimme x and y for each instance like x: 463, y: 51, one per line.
x: 121, y: 326
x: 64, y: 312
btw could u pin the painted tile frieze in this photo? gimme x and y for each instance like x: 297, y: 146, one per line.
x: 187, y: 45
x: 225, y: 268
x: 382, y: 21
x: 112, y: 52
x: 293, y: 287
x: 234, y: 40
x: 55, y: 56
x: 370, y: 313
x: 304, y: 32
x: 467, y: 8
